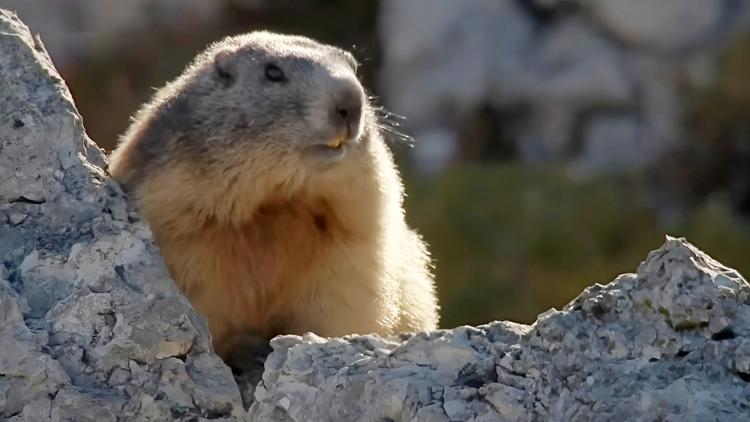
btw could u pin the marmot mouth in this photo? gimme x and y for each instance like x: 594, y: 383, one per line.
x: 338, y: 141
x: 334, y: 148
x: 327, y: 152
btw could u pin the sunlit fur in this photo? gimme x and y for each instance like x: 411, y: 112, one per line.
x: 261, y: 238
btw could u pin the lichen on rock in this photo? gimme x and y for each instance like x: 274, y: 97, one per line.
x: 93, y: 329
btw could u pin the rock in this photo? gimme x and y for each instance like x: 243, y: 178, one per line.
x: 571, y: 70
x: 571, y: 65
x: 558, y: 59
x: 664, y: 24
x: 451, y: 46
x: 670, y: 342
x: 437, y: 149
x: 608, y: 142
x: 91, y: 325
x: 93, y: 329
x: 556, y: 73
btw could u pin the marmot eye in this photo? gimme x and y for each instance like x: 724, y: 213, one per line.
x: 273, y: 73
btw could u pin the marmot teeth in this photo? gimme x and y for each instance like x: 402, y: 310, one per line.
x: 338, y: 140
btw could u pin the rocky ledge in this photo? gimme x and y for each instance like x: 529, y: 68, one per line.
x: 93, y: 329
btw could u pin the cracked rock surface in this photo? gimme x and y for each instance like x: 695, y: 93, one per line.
x: 668, y: 343
x: 93, y: 329
x: 91, y: 326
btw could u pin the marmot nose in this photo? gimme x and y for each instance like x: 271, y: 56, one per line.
x: 348, y: 109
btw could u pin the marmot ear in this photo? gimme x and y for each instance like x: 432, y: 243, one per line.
x: 225, y: 67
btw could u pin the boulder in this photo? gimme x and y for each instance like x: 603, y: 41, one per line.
x: 560, y: 60
x: 91, y: 326
x: 665, y: 24
x: 670, y: 342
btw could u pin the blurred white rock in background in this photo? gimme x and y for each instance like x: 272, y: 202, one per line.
x: 440, y: 57
x: 563, y: 61
x: 439, y: 146
x: 611, y: 143
x: 666, y: 24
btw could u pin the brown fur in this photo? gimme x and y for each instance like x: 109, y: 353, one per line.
x: 270, y: 245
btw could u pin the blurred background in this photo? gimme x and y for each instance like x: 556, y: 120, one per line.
x: 556, y: 141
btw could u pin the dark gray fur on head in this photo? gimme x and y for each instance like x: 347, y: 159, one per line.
x: 257, y: 90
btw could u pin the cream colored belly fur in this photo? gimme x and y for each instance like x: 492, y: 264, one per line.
x: 281, y: 274
x: 335, y: 259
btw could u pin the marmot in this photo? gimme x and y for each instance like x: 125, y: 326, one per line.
x: 273, y: 197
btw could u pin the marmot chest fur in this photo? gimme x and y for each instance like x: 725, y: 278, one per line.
x: 272, y: 196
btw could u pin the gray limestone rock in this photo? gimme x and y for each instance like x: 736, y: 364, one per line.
x: 441, y: 56
x: 91, y: 326
x: 664, y: 24
x: 608, y: 142
x: 669, y: 343
x: 93, y: 329
x: 559, y: 61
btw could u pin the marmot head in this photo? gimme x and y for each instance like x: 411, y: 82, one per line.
x: 278, y: 91
x: 264, y: 111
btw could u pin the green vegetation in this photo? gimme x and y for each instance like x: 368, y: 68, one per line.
x: 511, y: 241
